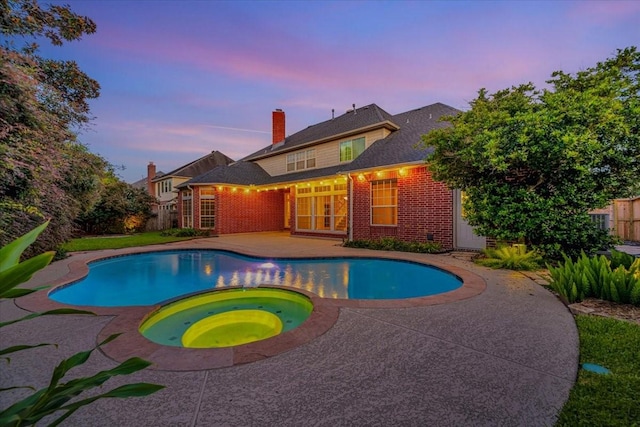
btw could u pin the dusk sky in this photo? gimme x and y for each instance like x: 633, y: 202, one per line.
x: 182, y: 78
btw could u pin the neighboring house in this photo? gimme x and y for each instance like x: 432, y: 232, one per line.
x: 162, y: 186
x: 356, y: 176
x: 145, y: 182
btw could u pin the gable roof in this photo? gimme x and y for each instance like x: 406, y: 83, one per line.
x: 397, y: 148
x: 241, y: 173
x: 142, y: 182
x: 199, y: 166
x: 400, y: 147
x: 351, y: 122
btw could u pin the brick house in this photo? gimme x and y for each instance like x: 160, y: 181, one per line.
x: 356, y: 176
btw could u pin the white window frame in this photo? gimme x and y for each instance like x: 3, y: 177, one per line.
x: 300, y: 160
x: 348, y: 148
x: 187, y: 214
x: 393, y: 186
x: 314, y: 194
x: 207, y: 196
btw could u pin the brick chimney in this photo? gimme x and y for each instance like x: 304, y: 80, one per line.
x: 278, y: 132
x: 151, y: 173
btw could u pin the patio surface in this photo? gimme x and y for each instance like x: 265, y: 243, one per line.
x: 507, y: 355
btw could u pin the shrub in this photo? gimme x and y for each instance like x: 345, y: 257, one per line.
x: 186, y: 232
x: 621, y: 259
x: 514, y: 257
x: 596, y: 277
x: 394, y: 244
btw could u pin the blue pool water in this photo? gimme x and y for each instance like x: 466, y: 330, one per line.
x: 150, y: 278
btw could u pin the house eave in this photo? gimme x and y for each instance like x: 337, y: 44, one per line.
x: 388, y: 166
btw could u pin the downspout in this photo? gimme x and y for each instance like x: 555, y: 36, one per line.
x: 350, y: 234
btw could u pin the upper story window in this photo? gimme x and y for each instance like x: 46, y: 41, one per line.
x: 351, y: 149
x: 301, y: 160
x: 164, y: 186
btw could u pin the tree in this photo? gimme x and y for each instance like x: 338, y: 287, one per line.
x: 121, y: 208
x: 44, y: 171
x: 533, y: 162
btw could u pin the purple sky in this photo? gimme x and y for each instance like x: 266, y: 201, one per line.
x: 182, y: 78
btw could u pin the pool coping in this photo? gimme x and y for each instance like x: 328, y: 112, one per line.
x: 126, y: 320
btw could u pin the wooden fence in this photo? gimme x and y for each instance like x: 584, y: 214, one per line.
x: 163, y: 220
x: 626, y: 217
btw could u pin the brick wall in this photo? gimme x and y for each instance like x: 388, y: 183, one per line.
x: 425, y: 207
x: 240, y: 212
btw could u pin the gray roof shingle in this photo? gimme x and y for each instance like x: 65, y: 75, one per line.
x: 199, y: 166
x: 352, y: 120
x: 400, y: 146
x: 397, y: 148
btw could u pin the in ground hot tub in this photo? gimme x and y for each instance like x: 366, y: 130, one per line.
x: 227, y: 318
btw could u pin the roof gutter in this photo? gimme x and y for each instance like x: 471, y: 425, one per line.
x: 391, y: 166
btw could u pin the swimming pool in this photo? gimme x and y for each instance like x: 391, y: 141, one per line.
x: 150, y: 278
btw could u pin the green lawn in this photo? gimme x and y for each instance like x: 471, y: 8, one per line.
x: 606, y: 400
x: 117, y: 242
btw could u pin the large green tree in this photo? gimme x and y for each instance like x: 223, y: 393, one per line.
x: 45, y: 172
x: 534, y: 162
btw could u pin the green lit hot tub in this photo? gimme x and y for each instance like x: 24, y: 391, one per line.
x: 227, y: 318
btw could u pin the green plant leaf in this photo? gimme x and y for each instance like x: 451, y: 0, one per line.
x: 12, y: 276
x: 10, y: 253
x: 57, y: 311
x: 125, y: 391
x: 15, y: 348
x: 16, y: 387
x: 17, y: 293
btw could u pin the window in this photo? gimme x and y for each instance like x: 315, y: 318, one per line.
x: 303, y: 213
x: 600, y: 220
x: 301, y: 160
x: 164, y: 186
x: 187, y: 210
x: 322, y: 207
x: 384, y: 202
x: 351, y: 149
x: 207, y: 213
x: 207, y: 208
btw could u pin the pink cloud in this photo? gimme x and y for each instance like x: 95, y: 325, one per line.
x: 607, y: 13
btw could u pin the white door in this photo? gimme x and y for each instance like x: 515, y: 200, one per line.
x: 464, y: 235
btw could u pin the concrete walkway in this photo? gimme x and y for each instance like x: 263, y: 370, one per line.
x: 507, y: 356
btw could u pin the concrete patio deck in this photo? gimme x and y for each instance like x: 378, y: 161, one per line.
x: 504, y: 356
